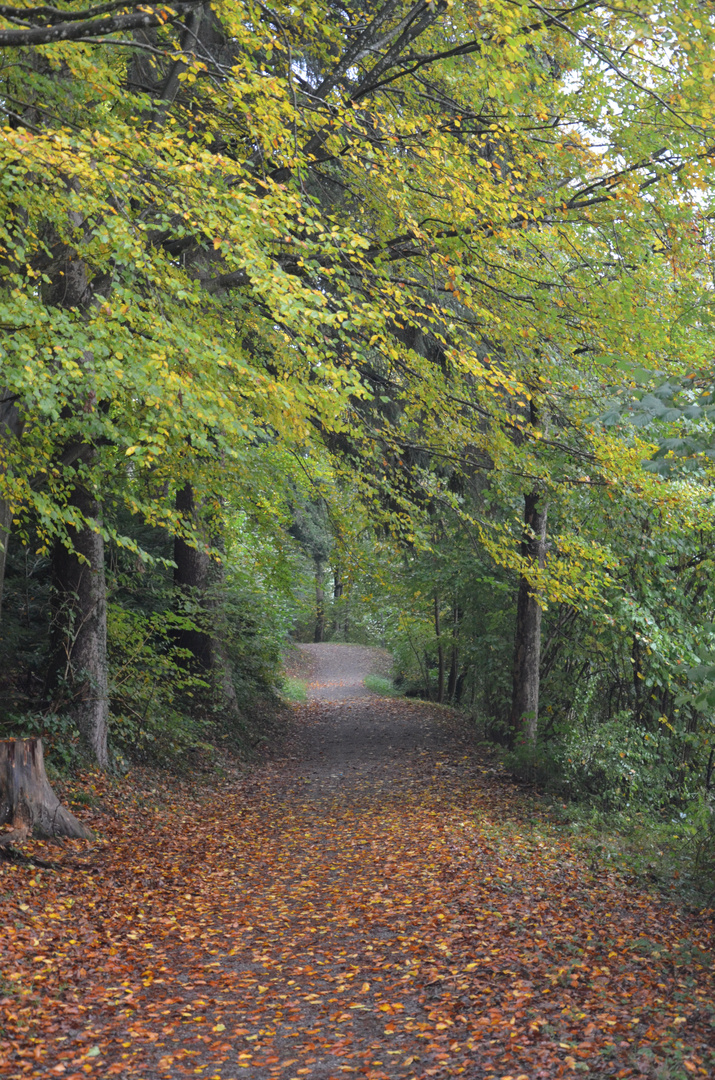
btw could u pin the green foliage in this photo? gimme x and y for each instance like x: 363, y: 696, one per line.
x: 59, y: 734
x: 616, y: 763
x: 698, y: 830
x: 161, y: 702
x: 258, y: 604
x: 245, y: 261
x: 254, y: 636
x: 673, y: 849
x: 161, y: 705
x: 294, y: 690
x: 362, y: 282
x: 155, y: 695
x: 382, y: 686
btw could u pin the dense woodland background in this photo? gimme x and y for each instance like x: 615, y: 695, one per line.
x: 388, y: 323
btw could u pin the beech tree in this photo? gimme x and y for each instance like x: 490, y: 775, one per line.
x: 397, y: 229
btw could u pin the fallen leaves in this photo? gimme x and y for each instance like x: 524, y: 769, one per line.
x: 402, y: 921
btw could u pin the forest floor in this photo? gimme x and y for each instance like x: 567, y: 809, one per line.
x: 377, y: 899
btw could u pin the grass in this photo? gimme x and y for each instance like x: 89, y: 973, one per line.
x: 382, y: 686
x: 650, y: 847
x: 671, y: 847
x: 295, y: 690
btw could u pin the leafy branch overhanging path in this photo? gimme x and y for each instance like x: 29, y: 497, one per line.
x: 379, y: 901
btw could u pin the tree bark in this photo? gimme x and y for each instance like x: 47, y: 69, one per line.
x: 79, y: 665
x: 637, y: 681
x: 319, y: 602
x: 27, y: 802
x: 193, y: 565
x: 196, y: 573
x: 11, y: 425
x: 79, y: 629
x: 337, y: 597
x: 428, y: 681
x: 527, y: 645
x: 5, y: 523
x: 453, y: 679
x: 440, y: 652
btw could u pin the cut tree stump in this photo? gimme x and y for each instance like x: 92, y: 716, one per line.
x: 27, y: 802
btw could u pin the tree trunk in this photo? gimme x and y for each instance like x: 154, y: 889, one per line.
x: 79, y: 630
x: 193, y: 565
x: 5, y: 523
x: 637, y: 681
x: 459, y: 687
x: 453, y: 680
x: 440, y: 652
x: 428, y: 681
x: 27, y: 802
x: 79, y: 666
x: 337, y: 597
x: 11, y: 425
x: 195, y: 573
x: 527, y: 645
x: 319, y: 602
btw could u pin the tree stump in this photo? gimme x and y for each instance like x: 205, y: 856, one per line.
x: 27, y: 802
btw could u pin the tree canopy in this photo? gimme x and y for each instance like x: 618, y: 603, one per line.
x: 405, y: 270
x: 242, y: 214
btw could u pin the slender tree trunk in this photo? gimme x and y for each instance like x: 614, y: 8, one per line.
x: 459, y: 687
x: 527, y: 645
x: 452, y: 675
x: 197, y: 574
x: 191, y: 576
x: 11, y: 425
x: 5, y: 523
x: 337, y: 596
x: 424, y: 671
x: 453, y: 680
x: 80, y: 628
x: 428, y: 680
x: 637, y: 681
x: 319, y: 602
x: 440, y: 652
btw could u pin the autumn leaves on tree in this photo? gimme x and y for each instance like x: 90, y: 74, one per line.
x: 393, y: 237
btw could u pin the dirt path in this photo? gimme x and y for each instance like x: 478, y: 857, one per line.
x: 379, y: 901
x: 354, y: 742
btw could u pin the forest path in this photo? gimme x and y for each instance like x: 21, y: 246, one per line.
x: 377, y: 900
x: 352, y: 740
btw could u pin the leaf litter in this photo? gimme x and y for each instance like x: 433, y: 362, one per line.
x: 377, y: 900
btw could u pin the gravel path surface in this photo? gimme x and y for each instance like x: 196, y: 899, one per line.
x: 339, y: 671
x: 354, y: 740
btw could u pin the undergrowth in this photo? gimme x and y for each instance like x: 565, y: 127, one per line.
x: 613, y: 789
x: 294, y: 690
x: 382, y: 686
x: 674, y: 851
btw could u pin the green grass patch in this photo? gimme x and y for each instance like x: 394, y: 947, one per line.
x: 675, y: 852
x: 295, y: 690
x: 383, y: 687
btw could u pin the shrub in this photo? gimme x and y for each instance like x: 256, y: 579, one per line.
x: 616, y: 762
x: 153, y: 693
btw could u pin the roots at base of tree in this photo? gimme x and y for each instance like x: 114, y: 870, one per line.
x: 27, y: 802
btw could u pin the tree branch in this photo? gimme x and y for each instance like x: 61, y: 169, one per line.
x: 98, y: 27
